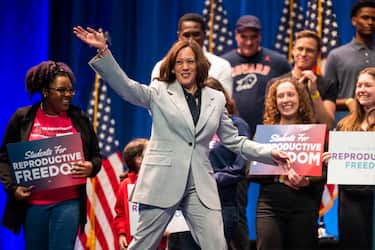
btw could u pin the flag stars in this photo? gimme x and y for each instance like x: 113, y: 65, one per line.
x: 101, y: 136
x: 333, y: 43
x: 222, y: 38
x: 287, y: 19
x: 105, y: 129
x: 109, y: 139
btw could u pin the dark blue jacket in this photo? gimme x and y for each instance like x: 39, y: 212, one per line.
x: 229, y: 167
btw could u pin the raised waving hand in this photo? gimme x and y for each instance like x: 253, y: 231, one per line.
x: 91, y: 37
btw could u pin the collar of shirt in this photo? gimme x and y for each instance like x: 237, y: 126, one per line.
x: 194, y: 106
x: 359, y: 46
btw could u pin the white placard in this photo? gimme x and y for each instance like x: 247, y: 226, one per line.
x: 177, y: 224
x: 353, y: 158
x: 133, y: 211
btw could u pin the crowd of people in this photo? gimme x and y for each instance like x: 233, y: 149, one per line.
x: 205, y: 109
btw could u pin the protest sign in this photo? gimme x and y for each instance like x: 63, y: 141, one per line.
x: 304, y: 143
x: 352, y: 158
x: 46, y: 163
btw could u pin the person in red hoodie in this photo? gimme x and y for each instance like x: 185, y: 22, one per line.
x: 133, y: 156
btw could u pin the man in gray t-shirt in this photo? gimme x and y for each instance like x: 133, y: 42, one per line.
x: 344, y: 63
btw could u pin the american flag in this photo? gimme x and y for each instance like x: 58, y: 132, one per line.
x: 218, y: 38
x: 101, y: 191
x: 291, y: 21
x: 321, y: 18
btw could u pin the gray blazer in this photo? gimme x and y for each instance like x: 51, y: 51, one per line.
x: 176, y: 145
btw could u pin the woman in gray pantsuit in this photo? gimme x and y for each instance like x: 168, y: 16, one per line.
x: 176, y: 171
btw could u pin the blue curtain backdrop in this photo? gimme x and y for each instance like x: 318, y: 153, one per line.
x: 141, y: 33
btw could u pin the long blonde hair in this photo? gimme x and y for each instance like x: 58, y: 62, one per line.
x: 353, y: 121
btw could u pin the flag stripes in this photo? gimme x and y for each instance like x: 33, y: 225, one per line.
x: 99, y: 232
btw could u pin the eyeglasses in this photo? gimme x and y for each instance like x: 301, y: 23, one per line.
x: 63, y: 90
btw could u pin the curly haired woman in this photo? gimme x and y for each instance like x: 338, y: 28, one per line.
x: 288, y: 205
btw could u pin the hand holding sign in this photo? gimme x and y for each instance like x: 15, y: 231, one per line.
x: 22, y: 193
x: 326, y: 156
x: 298, y: 180
x: 82, y: 169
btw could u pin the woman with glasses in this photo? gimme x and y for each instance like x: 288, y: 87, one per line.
x: 176, y: 172
x: 51, y: 217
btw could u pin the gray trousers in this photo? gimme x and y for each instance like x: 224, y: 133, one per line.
x: 206, y: 225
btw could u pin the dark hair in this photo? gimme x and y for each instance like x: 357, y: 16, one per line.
x: 193, y: 17
x: 215, y: 84
x: 361, y: 4
x: 132, y: 150
x: 40, y: 76
x: 309, y: 34
x: 166, y: 68
x: 352, y: 121
x: 305, y: 110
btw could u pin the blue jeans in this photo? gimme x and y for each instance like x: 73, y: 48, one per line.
x: 52, y: 227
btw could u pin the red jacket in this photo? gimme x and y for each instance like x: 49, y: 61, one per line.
x: 122, y: 222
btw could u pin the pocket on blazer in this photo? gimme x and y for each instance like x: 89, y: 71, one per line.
x: 160, y: 146
x: 157, y: 160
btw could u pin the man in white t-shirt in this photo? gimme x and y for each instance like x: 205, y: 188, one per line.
x: 192, y: 26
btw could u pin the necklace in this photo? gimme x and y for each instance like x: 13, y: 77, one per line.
x: 45, y: 112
